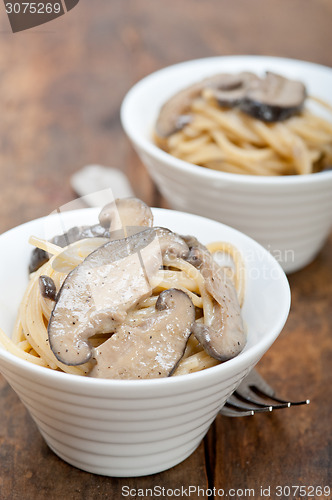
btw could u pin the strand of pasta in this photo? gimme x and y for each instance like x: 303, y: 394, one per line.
x: 248, y: 159
x: 34, y: 324
x: 194, y: 272
x: 308, y: 131
x: 239, y: 276
x: 228, y: 120
x: 195, y: 362
x: 165, y: 285
x: 45, y: 245
x: 235, y: 169
x: 178, y: 278
x: 16, y: 349
x: 323, y: 103
x: 232, y: 141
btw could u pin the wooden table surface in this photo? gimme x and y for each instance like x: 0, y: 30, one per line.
x: 61, y: 86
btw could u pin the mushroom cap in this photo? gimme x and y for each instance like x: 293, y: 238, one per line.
x: 172, y: 244
x: 126, y: 212
x: 231, y: 88
x: 173, y: 115
x: 272, y: 98
x: 96, y: 295
x: 153, y: 348
x: 47, y: 287
x: 76, y: 233
x: 224, y: 337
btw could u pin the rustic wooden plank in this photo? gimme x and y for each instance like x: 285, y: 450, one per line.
x: 287, y: 447
x: 61, y: 97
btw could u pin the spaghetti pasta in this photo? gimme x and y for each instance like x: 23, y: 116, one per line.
x: 30, y: 339
x: 229, y: 140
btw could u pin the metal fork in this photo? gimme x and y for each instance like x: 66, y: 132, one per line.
x: 254, y: 395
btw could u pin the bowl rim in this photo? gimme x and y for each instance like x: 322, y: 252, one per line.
x: 234, y: 365
x: 157, y: 153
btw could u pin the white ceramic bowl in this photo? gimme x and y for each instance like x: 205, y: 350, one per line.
x: 290, y: 216
x: 134, y: 428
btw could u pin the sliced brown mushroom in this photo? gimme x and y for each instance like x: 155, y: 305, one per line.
x: 126, y: 213
x: 97, y: 294
x: 225, y: 336
x: 76, y: 233
x: 174, y: 115
x: 152, y: 349
x: 274, y: 98
x: 171, y: 244
x: 47, y: 287
x: 38, y: 257
x: 198, y: 252
x: 231, y: 88
x: 130, y: 212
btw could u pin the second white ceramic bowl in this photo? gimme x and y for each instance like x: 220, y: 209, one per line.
x: 136, y: 427
x: 290, y: 216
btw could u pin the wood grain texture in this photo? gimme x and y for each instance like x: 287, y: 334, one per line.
x: 290, y: 447
x: 61, y: 87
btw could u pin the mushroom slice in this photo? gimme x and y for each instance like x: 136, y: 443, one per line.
x: 198, y: 253
x: 131, y: 213
x: 274, y: 98
x: 175, y: 113
x: 231, y: 88
x: 225, y: 336
x: 38, y: 257
x: 97, y: 294
x: 47, y: 287
x: 171, y: 244
x: 154, y: 347
x: 127, y: 212
x: 77, y: 233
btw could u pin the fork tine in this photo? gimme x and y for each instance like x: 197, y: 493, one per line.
x: 254, y: 385
x: 258, y: 402
x: 228, y: 411
x: 246, y: 405
x: 254, y: 395
x: 284, y: 403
